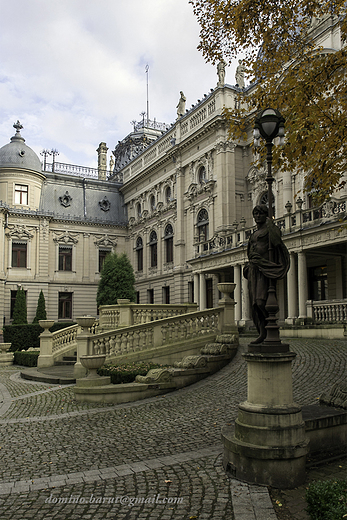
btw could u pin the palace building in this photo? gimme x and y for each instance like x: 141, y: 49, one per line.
x: 179, y: 202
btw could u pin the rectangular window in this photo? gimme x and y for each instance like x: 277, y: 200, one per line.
x: 169, y: 249
x: 166, y: 295
x: 65, y: 306
x: 137, y: 296
x: 154, y: 255
x: 150, y: 295
x: 191, y: 292
x: 209, y: 293
x: 139, y: 253
x: 102, y: 256
x: 65, y: 258
x: 21, y: 194
x: 19, y: 254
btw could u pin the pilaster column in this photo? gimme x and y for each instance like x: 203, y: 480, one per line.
x: 202, y: 295
x: 245, y: 301
x: 292, y: 291
x: 238, y: 301
x: 302, y: 284
x: 196, y: 289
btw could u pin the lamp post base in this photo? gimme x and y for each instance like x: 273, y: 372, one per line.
x: 268, y: 444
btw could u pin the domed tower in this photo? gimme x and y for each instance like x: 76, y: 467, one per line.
x: 21, y: 176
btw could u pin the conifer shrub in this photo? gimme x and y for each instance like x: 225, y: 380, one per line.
x: 20, y: 309
x: 40, y: 309
x: 117, y: 280
x: 327, y: 500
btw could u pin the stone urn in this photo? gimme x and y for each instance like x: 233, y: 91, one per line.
x: 85, y: 322
x: 226, y: 288
x: 6, y: 358
x: 92, y: 363
x: 46, y: 324
x: 4, y: 347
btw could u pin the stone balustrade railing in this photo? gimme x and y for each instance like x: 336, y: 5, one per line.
x: 156, y: 333
x: 126, y: 313
x: 328, y: 311
x: 64, y: 338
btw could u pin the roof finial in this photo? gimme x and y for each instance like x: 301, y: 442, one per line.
x: 18, y: 126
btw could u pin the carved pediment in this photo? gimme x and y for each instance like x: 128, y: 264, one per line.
x: 19, y: 232
x: 66, y: 238
x: 106, y: 241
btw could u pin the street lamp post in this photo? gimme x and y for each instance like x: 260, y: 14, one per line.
x: 269, y: 124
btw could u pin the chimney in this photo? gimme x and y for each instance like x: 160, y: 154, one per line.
x: 102, y: 161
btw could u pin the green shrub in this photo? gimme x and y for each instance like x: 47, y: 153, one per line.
x: 126, y: 373
x: 327, y: 500
x: 20, y: 309
x: 22, y: 337
x: 117, y: 280
x: 26, y: 358
x: 40, y: 309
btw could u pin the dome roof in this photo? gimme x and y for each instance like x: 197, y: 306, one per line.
x: 17, y: 154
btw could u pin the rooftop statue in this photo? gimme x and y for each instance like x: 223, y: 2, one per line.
x: 259, y: 270
x: 240, y: 75
x: 221, y: 73
x: 181, y: 107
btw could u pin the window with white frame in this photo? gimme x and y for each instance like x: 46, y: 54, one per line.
x: 21, y: 194
x: 19, y: 254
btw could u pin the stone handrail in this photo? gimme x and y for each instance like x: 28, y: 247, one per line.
x: 125, y: 313
x: 64, y: 337
x: 328, y: 310
x: 156, y: 333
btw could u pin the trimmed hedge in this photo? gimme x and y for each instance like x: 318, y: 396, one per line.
x: 23, y: 337
x: 126, y: 373
x: 327, y: 500
x: 27, y: 359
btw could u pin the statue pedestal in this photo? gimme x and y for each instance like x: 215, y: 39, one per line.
x: 268, y: 444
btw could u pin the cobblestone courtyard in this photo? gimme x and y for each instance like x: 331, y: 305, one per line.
x: 157, y: 459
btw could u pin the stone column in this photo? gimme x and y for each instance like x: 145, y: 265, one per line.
x: 245, y: 300
x: 202, y: 298
x: 196, y: 289
x: 292, y: 291
x: 238, y: 292
x: 302, y: 284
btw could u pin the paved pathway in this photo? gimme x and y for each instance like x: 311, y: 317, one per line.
x: 156, y: 459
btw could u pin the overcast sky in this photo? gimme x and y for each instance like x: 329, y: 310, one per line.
x: 73, y: 71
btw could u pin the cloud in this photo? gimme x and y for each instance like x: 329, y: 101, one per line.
x: 73, y: 71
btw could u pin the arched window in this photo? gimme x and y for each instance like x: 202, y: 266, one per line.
x: 168, y: 237
x: 202, y: 224
x: 153, y: 244
x: 139, y: 253
x: 202, y: 175
x: 264, y: 199
x: 168, y: 195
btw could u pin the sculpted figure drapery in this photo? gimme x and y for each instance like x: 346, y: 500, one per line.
x: 260, y: 269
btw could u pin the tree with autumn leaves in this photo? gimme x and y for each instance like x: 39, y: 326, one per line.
x: 289, y: 70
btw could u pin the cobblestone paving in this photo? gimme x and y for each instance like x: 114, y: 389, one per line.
x: 52, y: 446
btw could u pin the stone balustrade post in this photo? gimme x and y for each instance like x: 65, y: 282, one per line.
x: 84, y: 341
x: 46, y: 358
x: 126, y: 313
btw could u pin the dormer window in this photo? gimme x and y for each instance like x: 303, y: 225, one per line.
x: 21, y: 194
